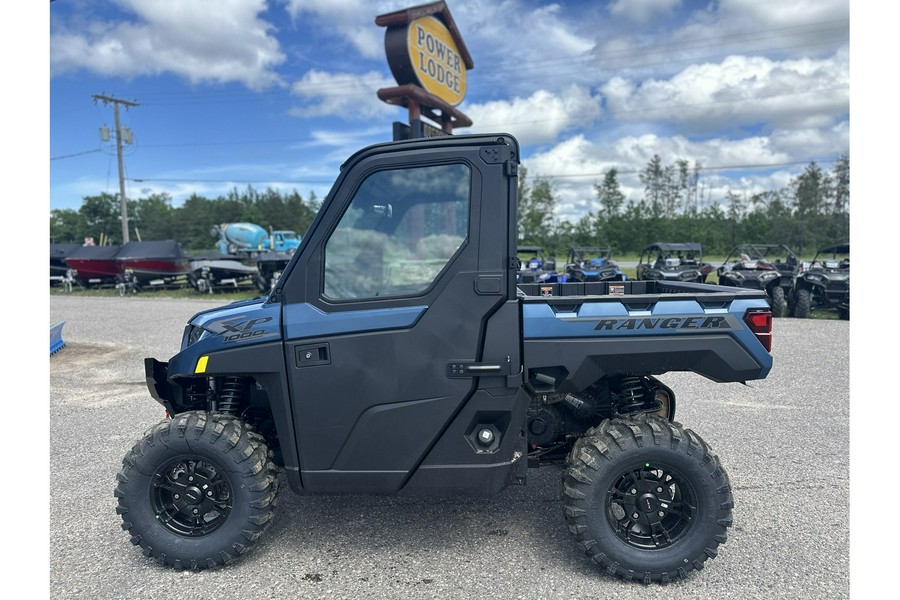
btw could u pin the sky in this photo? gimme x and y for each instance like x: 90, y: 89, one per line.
x: 278, y: 93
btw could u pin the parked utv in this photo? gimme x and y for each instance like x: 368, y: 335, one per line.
x: 824, y: 284
x: 592, y: 263
x: 761, y: 267
x: 673, y: 262
x: 397, y: 354
x: 535, y: 268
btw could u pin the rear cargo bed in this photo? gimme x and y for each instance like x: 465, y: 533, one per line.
x: 576, y: 333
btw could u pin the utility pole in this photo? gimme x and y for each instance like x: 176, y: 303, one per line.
x: 107, y: 100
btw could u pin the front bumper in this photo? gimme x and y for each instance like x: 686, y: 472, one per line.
x: 157, y: 375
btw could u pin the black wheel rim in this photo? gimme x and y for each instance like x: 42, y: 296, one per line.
x: 191, y: 497
x: 651, y: 506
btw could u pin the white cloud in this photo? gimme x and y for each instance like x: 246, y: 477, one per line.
x: 520, y: 48
x: 805, y: 143
x: 739, y: 91
x: 720, y: 29
x: 352, y: 20
x: 783, y: 14
x: 346, y: 95
x: 537, y: 119
x: 642, y: 11
x: 202, y: 40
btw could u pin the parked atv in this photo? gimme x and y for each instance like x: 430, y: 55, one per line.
x: 761, y: 267
x: 825, y: 284
x: 673, y: 262
x: 535, y: 268
x: 269, y: 266
x: 591, y: 263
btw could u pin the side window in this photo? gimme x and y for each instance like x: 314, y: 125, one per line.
x: 401, y: 229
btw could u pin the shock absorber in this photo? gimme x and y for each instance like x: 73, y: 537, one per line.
x: 632, y: 394
x: 196, y: 393
x: 232, y: 393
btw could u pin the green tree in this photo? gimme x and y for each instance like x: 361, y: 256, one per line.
x: 610, y: 195
x: 67, y: 226
x: 811, y: 190
x: 151, y: 217
x: 735, y: 204
x: 841, y: 178
x: 523, y: 195
x: 102, y: 217
x: 654, y: 179
x: 536, y: 214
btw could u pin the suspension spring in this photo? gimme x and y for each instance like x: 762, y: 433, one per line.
x: 632, y: 393
x: 232, y: 393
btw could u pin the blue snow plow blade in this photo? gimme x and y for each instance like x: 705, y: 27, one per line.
x: 56, y: 341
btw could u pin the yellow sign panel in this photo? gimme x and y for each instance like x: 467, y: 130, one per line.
x: 435, y: 59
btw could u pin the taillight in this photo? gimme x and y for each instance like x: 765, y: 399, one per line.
x: 759, y: 320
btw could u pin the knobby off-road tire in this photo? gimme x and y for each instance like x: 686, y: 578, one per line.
x: 646, y: 499
x: 197, y: 491
x: 777, y: 301
x: 803, y: 304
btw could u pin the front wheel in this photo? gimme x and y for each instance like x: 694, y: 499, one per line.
x: 646, y: 499
x: 777, y: 301
x: 803, y: 304
x: 197, y: 491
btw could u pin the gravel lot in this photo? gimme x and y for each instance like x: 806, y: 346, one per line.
x: 788, y: 463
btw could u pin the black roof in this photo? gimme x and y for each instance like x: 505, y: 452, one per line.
x: 668, y: 247
x: 63, y: 250
x: 590, y: 249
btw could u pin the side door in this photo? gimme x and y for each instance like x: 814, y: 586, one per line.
x: 387, y: 310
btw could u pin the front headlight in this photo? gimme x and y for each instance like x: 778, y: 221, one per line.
x: 192, y: 335
x: 653, y: 274
x: 732, y: 275
x: 768, y: 275
x: 690, y: 275
x: 814, y: 278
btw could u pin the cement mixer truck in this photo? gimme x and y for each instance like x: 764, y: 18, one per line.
x: 247, y: 239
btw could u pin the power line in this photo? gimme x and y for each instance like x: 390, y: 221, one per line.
x: 319, y: 179
x: 75, y: 154
x: 327, y: 179
x: 701, y: 168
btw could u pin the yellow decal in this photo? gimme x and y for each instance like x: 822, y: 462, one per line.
x: 201, y: 364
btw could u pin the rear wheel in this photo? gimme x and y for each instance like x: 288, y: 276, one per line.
x: 197, y: 491
x: 803, y: 304
x: 646, y: 499
x: 776, y: 301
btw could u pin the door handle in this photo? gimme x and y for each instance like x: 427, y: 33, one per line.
x: 466, y: 368
x: 312, y: 354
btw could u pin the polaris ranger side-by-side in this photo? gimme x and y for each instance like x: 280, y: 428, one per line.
x: 824, y: 284
x: 673, y: 262
x: 396, y: 354
x: 760, y: 266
